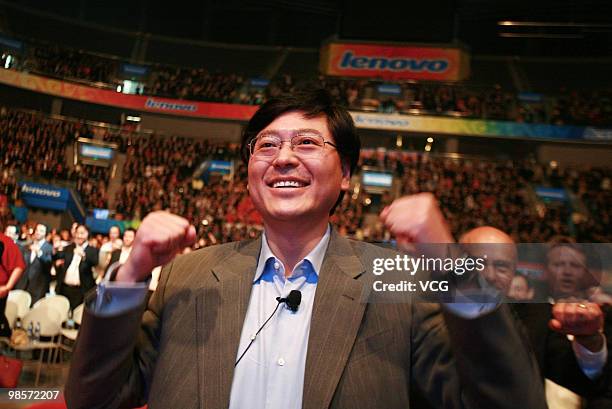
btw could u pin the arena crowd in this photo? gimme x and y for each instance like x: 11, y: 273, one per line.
x: 490, y: 101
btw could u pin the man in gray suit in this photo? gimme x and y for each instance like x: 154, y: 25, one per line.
x: 197, y: 344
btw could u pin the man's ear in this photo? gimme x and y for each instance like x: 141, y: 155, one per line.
x: 346, y: 175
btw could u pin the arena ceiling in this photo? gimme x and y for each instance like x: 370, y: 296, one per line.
x: 532, y: 27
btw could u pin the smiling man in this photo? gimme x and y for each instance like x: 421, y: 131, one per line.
x: 38, y: 259
x: 215, y: 336
x: 75, y: 275
x: 580, y: 364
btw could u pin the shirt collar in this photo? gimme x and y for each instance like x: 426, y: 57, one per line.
x: 315, y: 257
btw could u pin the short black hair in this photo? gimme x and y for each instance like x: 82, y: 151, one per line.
x: 42, y: 224
x: 133, y: 230
x: 313, y: 103
x: 592, y: 258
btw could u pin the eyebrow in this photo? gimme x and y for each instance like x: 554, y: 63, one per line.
x: 293, y: 131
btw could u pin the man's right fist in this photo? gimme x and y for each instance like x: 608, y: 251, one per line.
x: 584, y: 320
x: 160, y: 237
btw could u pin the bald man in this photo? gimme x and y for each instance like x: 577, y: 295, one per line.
x: 500, y: 263
x: 582, y: 364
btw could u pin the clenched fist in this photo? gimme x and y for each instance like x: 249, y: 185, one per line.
x: 160, y: 237
x: 416, y: 219
x: 583, y: 320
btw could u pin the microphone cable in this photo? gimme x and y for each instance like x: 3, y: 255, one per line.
x: 293, y: 302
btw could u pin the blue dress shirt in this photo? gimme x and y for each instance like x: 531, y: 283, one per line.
x: 271, y: 374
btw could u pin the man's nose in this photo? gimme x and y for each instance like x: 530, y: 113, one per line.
x: 285, y: 156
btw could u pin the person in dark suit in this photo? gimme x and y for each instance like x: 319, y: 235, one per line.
x: 121, y: 255
x: 75, y: 275
x: 334, y: 351
x: 556, y: 355
x: 38, y: 257
x: 567, y: 363
x: 574, y: 274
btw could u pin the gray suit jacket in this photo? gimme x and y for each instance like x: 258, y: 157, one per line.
x: 181, y: 352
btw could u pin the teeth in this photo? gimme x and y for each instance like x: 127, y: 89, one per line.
x: 287, y: 183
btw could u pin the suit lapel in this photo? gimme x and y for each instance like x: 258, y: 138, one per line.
x: 69, y: 256
x: 221, y: 310
x: 114, y: 257
x: 336, y: 318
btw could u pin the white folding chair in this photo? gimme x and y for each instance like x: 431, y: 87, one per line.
x: 48, y: 317
x: 58, y: 302
x: 77, y: 314
x: 11, y: 312
x: 71, y: 334
x: 50, y: 321
x: 23, y: 299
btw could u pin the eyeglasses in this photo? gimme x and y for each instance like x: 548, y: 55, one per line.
x: 304, y: 143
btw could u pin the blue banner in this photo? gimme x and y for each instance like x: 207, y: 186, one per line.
x: 478, y: 127
x: 389, y: 89
x: 220, y: 166
x: 103, y: 225
x: 133, y: 70
x: 52, y: 198
x: 530, y: 97
x: 92, y: 151
x: 259, y: 82
x: 11, y: 43
x: 551, y: 194
x: 101, y: 214
x: 44, y: 196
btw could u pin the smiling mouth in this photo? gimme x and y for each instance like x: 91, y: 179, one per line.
x: 283, y: 184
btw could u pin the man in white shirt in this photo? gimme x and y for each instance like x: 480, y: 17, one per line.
x: 121, y: 254
x: 190, y: 349
x: 75, y: 273
x: 114, y: 243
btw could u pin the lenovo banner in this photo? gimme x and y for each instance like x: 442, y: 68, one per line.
x: 168, y: 106
x: 52, y: 198
x: 394, y: 62
x: 472, y: 127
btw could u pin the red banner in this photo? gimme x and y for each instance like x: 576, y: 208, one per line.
x: 393, y: 62
x: 93, y: 95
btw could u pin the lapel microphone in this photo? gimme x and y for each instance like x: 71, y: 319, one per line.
x: 292, y: 301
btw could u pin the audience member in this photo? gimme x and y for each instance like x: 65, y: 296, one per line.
x: 11, y: 268
x: 38, y: 257
x: 75, y: 274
